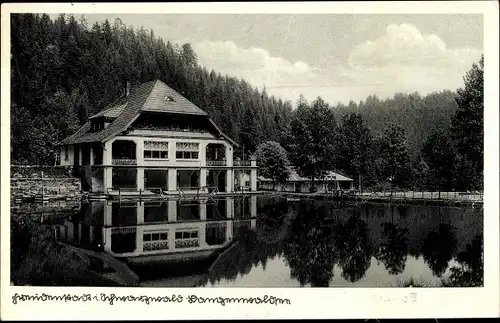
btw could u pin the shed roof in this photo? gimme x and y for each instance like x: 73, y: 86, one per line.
x: 153, y: 96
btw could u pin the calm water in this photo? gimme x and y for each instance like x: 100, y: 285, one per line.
x: 272, y: 242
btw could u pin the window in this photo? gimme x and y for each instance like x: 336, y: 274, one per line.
x: 187, y: 150
x: 156, y: 236
x: 156, y: 149
x: 155, y: 241
x: 186, y: 239
x: 186, y: 235
x: 97, y: 125
x: 186, y: 155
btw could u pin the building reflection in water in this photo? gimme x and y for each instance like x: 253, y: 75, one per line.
x: 159, y: 231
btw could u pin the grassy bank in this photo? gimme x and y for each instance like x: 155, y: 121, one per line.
x: 457, y: 279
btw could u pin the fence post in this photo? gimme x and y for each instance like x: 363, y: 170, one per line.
x: 43, y: 188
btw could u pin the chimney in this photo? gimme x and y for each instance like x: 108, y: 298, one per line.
x: 127, y: 89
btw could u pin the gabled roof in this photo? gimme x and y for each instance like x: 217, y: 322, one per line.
x: 153, y: 96
x: 164, y: 99
x: 295, y: 177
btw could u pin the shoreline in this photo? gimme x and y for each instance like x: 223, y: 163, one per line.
x: 445, y: 201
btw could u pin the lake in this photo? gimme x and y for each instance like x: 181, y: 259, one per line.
x: 263, y: 241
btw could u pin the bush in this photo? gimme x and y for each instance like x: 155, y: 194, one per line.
x: 380, y: 187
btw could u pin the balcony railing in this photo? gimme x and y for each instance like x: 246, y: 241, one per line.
x: 242, y: 163
x: 155, y: 245
x: 216, y: 162
x: 124, y: 161
x: 187, y: 243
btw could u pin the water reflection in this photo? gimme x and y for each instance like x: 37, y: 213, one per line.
x: 255, y: 247
x: 439, y: 247
x: 179, y: 235
x: 272, y: 242
x: 355, y: 247
x: 470, y: 271
x: 309, y: 249
x: 393, y: 251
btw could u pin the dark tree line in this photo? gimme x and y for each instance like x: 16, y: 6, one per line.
x: 63, y: 71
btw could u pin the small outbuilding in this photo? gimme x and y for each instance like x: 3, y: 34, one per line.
x: 330, y: 182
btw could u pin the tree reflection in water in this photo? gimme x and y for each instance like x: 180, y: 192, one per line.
x: 321, y: 235
x: 470, y: 273
x: 354, y: 248
x: 309, y: 249
x: 393, y: 251
x: 439, y: 247
x: 272, y: 222
x: 253, y: 248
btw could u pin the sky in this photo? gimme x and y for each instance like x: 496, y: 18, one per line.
x: 339, y: 57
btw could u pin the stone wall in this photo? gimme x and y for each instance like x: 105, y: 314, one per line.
x: 54, y: 180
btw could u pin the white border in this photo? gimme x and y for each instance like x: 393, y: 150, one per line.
x: 306, y: 302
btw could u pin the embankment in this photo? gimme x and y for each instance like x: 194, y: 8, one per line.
x: 52, y: 182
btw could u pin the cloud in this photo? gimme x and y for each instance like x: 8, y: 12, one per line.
x: 405, y: 60
x: 403, y: 44
x: 401, y: 60
x: 255, y: 65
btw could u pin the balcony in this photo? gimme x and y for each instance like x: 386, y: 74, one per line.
x: 216, y: 162
x: 123, y: 153
x: 124, y: 161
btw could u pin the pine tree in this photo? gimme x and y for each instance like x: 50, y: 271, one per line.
x: 354, y: 145
x: 394, y: 151
x: 467, y: 127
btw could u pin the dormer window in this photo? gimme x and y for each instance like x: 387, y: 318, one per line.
x: 169, y: 99
x: 97, y: 125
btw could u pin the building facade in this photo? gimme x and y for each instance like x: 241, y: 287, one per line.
x: 154, y: 139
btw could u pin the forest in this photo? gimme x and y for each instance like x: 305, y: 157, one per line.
x: 63, y: 71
